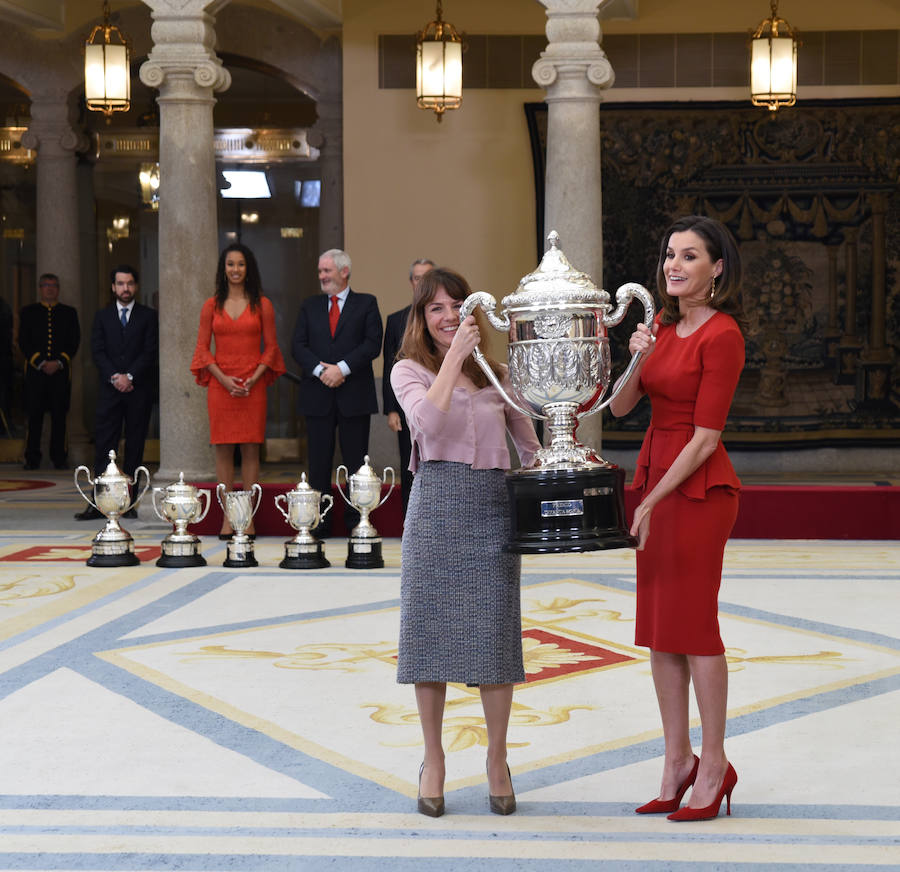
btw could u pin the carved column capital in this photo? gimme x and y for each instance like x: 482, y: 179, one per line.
x: 183, y: 64
x: 573, y: 66
x: 50, y: 132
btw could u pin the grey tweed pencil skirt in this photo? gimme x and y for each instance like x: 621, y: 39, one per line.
x: 460, y: 615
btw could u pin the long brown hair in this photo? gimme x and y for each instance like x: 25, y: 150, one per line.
x: 252, y: 283
x: 417, y: 343
x: 719, y: 245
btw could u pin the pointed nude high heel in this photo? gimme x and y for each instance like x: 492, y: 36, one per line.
x: 432, y: 806
x: 503, y: 804
x: 712, y: 810
x: 658, y: 806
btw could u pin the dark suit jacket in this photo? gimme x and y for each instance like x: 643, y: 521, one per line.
x: 134, y: 349
x: 357, y: 341
x: 393, y: 337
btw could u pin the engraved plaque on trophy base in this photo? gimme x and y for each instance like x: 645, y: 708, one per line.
x: 364, y: 552
x: 303, y: 555
x: 564, y: 510
x: 178, y: 554
x: 113, y: 546
x: 240, y: 552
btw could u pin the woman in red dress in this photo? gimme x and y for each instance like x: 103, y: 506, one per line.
x: 692, y: 360
x: 246, y: 359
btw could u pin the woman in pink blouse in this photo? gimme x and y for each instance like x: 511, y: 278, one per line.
x: 460, y: 609
x: 241, y: 321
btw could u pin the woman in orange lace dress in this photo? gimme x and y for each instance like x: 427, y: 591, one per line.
x: 241, y: 322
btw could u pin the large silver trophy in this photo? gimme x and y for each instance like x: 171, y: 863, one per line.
x: 304, y: 511
x: 239, y: 509
x: 559, y: 371
x: 113, y: 546
x: 364, y: 545
x: 181, y: 504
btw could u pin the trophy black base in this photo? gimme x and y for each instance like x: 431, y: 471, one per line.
x: 364, y: 554
x: 568, y: 510
x: 181, y: 560
x: 129, y: 558
x: 239, y: 554
x: 295, y: 558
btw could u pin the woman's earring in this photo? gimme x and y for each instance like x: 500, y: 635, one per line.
x: 712, y: 289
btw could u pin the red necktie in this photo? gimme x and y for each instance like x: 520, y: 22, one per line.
x: 333, y: 314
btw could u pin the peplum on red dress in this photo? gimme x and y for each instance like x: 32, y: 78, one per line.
x: 691, y: 382
x: 241, y: 344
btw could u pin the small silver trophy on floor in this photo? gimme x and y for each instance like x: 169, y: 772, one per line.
x: 239, y: 509
x: 181, y: 505
x: 304, y: 511
x: 113, y: 546
x: 364, y: 545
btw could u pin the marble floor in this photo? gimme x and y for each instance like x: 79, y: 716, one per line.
x: 248, y: 719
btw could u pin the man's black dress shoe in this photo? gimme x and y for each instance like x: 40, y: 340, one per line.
x: 60, y: 464
x: 30, y: 464
x: 89, y: 514
x: 131, y: 513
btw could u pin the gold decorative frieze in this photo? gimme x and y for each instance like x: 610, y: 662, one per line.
x: 11, y: 148
x: 238, y: 144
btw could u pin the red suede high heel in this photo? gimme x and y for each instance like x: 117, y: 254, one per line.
x: 712, y: 810
x: 657, y: 806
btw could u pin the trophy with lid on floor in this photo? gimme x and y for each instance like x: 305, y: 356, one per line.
x: 181, y: 504
x: 559, y: 370
x: 113, y: 546
x: 364, y: 545
x: 303, y: 513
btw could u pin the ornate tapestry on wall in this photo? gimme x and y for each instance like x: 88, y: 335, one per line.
x: 811, y: 195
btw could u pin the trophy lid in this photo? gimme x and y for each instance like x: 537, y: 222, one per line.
x: 556, y: 281
x: 302, y: 486
x: 112, y: 472
x: 365, y: 472
x: 179, y: 487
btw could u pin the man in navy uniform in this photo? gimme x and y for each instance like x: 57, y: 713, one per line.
x: 48, y: 339
x: 393, y: 337
x: 337, y: 336
x: 125, y: 348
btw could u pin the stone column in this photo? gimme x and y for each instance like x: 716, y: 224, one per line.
x: 328, y: 137
x: 185, y: 69
x: 574, y: 71
x: 850, y: 343
x: 58, y: 245
x: 873, y: 376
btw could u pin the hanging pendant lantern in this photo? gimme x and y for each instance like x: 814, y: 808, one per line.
x: 773, y: 62
x: 107, y: 68
x: 439, y: 50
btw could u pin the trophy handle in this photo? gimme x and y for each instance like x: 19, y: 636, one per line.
x: 134, y: 481
x: 153, y: 493
x: 330, y: 499
x: 626, y: 293
x: 484, y: 301
x: 388, y: 469
x: 87, y: 474
x: 220, y: 489
x: 337, y: 481
x: 257, y: 489
x: 203, y: 493
x: 278, y: 506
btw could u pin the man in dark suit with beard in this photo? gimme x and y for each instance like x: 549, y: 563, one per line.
x: 396, y: 420
x: 125, y: 348
x: 337, y: 336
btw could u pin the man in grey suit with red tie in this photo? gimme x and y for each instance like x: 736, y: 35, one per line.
x: 125, y: 348
x: 337, y: 336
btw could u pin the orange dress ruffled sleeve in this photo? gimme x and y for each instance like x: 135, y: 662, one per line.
x: 203, y: 356
x: 271, y: 353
